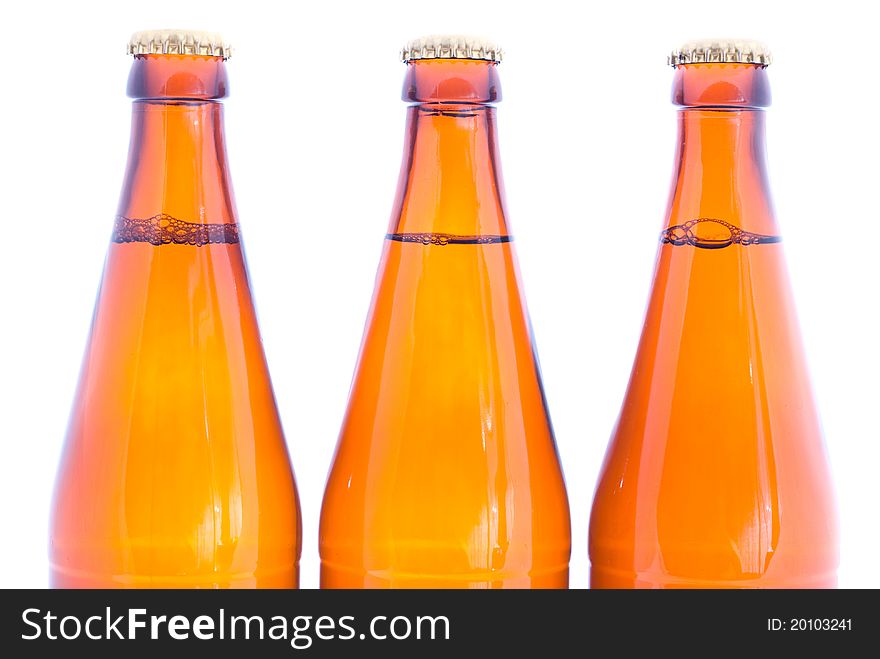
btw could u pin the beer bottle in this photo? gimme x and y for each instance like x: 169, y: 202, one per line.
x: 175, y: 471
x: 446, y: 472
x: 716, y: 475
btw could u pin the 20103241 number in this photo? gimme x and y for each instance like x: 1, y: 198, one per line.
x: 820, y: 624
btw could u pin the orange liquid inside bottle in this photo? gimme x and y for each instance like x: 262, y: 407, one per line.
x: 446, y: 473
x: 716, y: 474
x: 175, y: 471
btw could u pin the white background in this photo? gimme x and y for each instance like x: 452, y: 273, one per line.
x: 315, y: 129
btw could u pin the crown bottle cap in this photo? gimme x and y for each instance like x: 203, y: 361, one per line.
x: 732, y: 51
x: 451, y: 46
x: 178, y: 42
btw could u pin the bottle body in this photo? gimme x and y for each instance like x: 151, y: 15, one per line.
x: 716, y: 474
x: 446, y: 473
x: 175, y: 471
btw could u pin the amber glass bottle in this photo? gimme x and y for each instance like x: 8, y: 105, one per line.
x: 716, y: 475
x: 446, y: 473
x: 175, y: 471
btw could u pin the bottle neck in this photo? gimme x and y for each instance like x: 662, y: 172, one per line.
x: 177, y: 154
x: 721, y: 170
x: 450, y: 180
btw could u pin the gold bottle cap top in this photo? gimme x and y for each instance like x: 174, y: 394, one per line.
x: 450, y: 46
x: 178, y: 42
x: 732, y: 51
